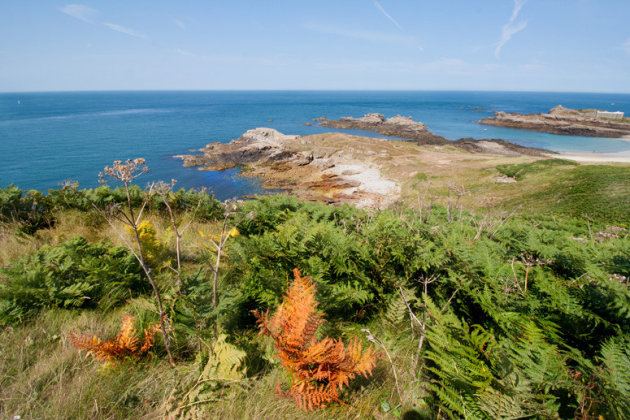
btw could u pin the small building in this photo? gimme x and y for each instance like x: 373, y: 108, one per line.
x: 618, y: 115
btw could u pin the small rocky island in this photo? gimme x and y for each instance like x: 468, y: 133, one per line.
x: 398, y: 126
x: 561, y: 120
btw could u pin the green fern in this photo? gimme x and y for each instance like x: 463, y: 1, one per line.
x: 396, y: 311
x: 615, y: 356
x: 72, y: 274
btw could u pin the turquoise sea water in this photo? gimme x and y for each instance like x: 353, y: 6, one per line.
x: 46, y: 138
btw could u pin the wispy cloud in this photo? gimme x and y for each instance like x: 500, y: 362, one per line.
x: 358, y: 34
x: 398, y: 25
x: 626, y: 46
x: 124, y: 30
x: 511, y: 27
x: 387, y: 15
x: 180, y: 23
x: 81, y: 12
x: 447, y: 63
x: 185, y: 53
x: 89, y: 15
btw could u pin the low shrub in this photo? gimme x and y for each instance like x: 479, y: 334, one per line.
x: 34, y: 210
x: 520, y: 170
x: 72, y: 274
x: 30, y: 210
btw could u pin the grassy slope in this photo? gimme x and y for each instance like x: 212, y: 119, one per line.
x: 545, y: 186
x: 600, y: 191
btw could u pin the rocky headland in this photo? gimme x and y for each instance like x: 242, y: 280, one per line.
x: 561, y: 120
x: 407, y: 128
x: 342, y: 168
x: 305, y: 166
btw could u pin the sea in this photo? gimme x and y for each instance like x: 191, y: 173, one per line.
x: 48, y: 138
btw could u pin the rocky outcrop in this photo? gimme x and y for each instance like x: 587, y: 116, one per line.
x: 398, y: 126
x: 561, y: 120
x: 497, y: 147
x: 407, y: 128
x: 253, y: 146
x: 341, y: 168
x: 297, y: 165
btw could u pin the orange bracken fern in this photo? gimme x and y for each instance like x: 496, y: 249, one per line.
x: 126, y: 343
x: 319, y: 369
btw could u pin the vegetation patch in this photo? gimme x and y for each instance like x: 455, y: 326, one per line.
x: 520, y: 170
x: 69, y: 275
x: 420, y: 177
x: 597, y: 191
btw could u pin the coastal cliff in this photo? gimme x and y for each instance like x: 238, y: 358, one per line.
x: 561, y: 120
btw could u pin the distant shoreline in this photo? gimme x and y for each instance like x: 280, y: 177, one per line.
x: 620, y: 157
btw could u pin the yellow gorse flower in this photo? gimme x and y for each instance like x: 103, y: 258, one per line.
x: 215, y: 240
x: 151, y: 244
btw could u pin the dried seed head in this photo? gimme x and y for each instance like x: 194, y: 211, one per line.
x: 124, y: 172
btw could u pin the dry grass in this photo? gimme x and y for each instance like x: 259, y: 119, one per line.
x: 71, y: 223
x: 44, y: 377
x: 13, y: 246
x: 260, y: 401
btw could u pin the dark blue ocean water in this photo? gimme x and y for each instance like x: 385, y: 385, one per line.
x: 46, y: 138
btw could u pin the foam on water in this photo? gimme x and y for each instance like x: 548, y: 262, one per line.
x: 88, y: 115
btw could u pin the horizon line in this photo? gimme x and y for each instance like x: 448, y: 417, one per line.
x: 308, y: 90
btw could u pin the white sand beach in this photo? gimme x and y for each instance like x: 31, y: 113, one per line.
x: 620, y: 157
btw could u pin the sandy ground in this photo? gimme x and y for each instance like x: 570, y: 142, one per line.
x: 621, y: 157
x: 369, y: 177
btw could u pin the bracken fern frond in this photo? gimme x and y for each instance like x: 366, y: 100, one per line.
x: 126, y: 343
x: 320, y: 369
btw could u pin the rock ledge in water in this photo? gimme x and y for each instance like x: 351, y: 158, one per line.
x: 561, y: 120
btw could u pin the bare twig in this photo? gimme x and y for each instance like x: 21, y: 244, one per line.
x: 423, y: 325
x: 378, y: 342
x: 449, y: 301
x: 126, y: 173
x: 218, y: 245
x: 163, y: 190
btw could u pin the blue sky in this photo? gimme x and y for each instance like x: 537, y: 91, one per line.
x: 544, y: 45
